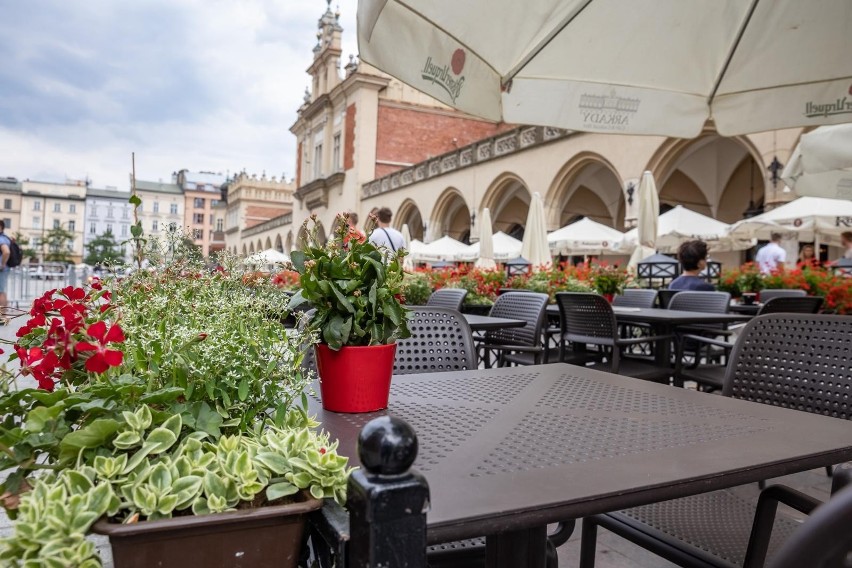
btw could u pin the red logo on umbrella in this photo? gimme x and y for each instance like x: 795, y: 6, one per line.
x: 850, y: 89
x: 797, y: 223
x: 457, y: 62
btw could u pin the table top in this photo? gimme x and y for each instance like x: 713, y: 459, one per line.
x: 482, y: 323
x: 749, y: 309
x: 659, y: 315
x: 513, y: 448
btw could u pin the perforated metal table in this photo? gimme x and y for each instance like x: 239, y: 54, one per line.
x: 484, y: 323
x: 507, y: 451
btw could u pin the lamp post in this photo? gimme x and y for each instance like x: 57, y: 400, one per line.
x: 752, y: 210
x: 517, y: 266
x: 658, y: 267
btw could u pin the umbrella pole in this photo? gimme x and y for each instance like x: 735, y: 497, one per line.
x: 816, y: 245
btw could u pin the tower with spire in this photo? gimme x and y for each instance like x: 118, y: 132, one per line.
x: 325, y: 69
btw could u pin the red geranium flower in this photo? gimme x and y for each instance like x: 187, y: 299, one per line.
x: 102, y: 358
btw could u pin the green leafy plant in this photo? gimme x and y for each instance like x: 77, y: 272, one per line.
x: 416, y: 288
x: 608, y: 279
x: 355, y: 287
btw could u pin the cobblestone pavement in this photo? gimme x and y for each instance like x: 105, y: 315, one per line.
x: 613, y: 551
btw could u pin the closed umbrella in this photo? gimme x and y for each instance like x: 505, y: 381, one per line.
x: 649, y: 211
x: 408, y: 262
x: 660, y: 67
x: 535, y: 248
x: 486, y: 243
x: 821, y: 165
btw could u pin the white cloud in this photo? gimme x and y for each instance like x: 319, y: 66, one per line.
x: 198, y: 84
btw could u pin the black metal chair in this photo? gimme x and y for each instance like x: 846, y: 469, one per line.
x: 811, y: 372
x: 664, y: 296
x: 636, y: 298
x: 518, y: 345
x: 452, y: 298
x: 770, y: 294
x: 710, y: 375
x: 441, y: 340
x: 587, y: 319
x: 824, y: 540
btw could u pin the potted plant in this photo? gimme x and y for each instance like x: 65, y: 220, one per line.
x: 608, y: 280
x: 356, y: 290
x: 167, y: 404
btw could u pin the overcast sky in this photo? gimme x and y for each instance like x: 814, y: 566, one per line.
x: 209, y: 85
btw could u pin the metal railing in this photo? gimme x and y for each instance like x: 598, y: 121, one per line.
x: 27, y: 282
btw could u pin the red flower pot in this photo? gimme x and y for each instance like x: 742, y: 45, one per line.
x: 609, y: 297
x: 355, y: 379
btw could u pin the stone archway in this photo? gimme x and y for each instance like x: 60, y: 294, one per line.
x: 508, y: 201
x: 251, y: 248
x: 289, y: 243
x: 279, y: 245
x: 709, y: 174
x: 586, y: 186
x: 259, y: 245
x: 409, y: 214
x: 245, y: 251
x: 450, y: 216
x: 268, y: 244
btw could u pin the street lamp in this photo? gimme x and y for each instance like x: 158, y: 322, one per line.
x: 658, y: 267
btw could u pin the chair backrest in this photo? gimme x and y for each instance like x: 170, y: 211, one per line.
x: 791, y: 305
x: 526, y: 306
x: 695, y: 301
x: 766, y: 295
x: 798, y: 361
x: 824, y: 540
x: 664, y: 296
x: 441, y: 340
x: 636, y: 298
x: 586, y: 318
x: 452, y: 298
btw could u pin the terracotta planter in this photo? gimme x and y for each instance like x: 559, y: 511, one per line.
x: 355, y: 379
x: 266, y: 536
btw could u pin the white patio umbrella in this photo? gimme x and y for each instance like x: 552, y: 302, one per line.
x: 817, y: 219
x: 407, y: 263
x: 443, y: 249
x: 486, y: 242
x: 535, y: 248
x: 646, y: 228
x: 585, y: 237
x: 268, y: 256
x: 505, y: 247
x: 821, y: 164
x: 661, y: 67
x: 680, y: 224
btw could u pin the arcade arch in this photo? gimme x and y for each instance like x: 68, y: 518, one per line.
x: 279, y: 245
x: 450, y: 216
x: 586, y: 186
x: 508, y: 200
x: 409, y: 214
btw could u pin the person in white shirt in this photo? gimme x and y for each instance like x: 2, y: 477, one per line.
x: 384, y: 235
x: 846, y: 241
x: 771, y: 257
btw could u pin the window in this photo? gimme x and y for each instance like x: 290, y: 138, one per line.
x: 220, y: 225
x: 155, y: 225
x: 317, y: 161
x: 109, y: 211
x: 71, y: 245
x: 93, y: 210
x: 336, y: 150
x: 156, y: 207
x: 124, y: 230
x: 37, y: 206
x: 36, y: 242
x: 109, y: 228
x: 214, y: 202
x: 198, y: 218
x: 173, y: 209
x: 7, y: 222
x: 93, y: 229
x: 7, y: 204
x: 57, y: 208
x: 72, y: 208
x: 72, y: 226
x: 198, y: 203
x: 124, y: 213
x: 197, y: 233
x: 36, y: 222
x: 56, y: 223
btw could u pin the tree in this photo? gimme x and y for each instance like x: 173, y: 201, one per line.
x: 103, y: 250
x: 24, y: 242
x: 57, y: 242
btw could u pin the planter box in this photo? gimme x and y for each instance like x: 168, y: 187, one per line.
x: 266, y: 536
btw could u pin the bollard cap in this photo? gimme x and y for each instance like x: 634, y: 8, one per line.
x: 387, y: 446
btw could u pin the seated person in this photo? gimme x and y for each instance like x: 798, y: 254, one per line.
x: 693, y: 258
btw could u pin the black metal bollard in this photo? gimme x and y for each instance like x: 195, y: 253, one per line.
x: 387, y: 500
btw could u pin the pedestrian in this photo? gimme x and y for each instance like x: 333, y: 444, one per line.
x: 693, y: 258
x: 846, y: 241
x: 771, y: 256
x: 807, y: 257
x: 5, y: 252
x: 384, y: 235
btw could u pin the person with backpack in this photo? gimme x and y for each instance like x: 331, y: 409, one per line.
x: 5, y: 254
x: 384, y: 235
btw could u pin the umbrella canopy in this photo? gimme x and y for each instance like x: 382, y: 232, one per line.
x: 809, y: 218
x: 486, y: 242
x: 445, y: 248
x: 606, y: 66
x: 585, y: 237
x: 649, y: 211
x: 505, y: 247
x: 534, y: 247
x: 268, y: 256
x: 681, y: 224
x: 407, y: 263
x: 821, y: 165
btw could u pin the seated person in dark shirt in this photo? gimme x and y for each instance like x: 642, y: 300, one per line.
x: 693, y: 258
